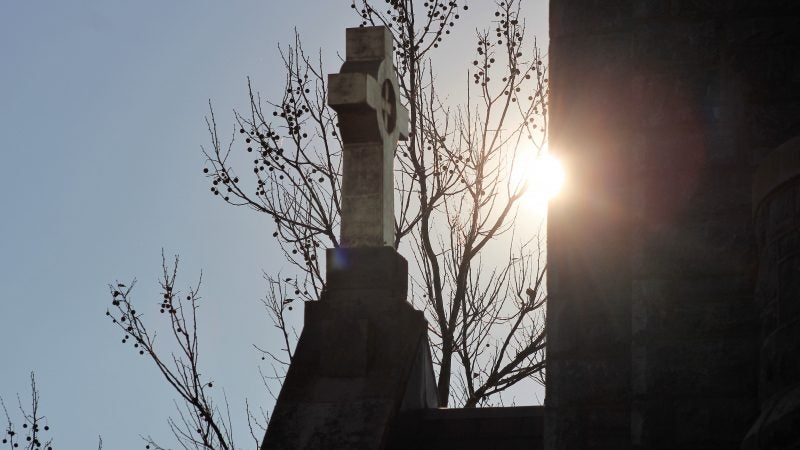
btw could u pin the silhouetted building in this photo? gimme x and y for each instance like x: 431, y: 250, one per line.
x: 673, y: 320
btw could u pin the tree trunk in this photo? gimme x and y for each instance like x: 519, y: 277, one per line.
x: 445, y: 370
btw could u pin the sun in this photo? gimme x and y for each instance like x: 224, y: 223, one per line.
x: 545, y: 176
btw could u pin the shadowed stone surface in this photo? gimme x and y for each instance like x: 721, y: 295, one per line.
x: 362, y: 359
x: 776, y: 204
x: 514, y: 428
x: 661, y: 111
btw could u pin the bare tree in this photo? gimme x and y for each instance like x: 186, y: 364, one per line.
x: 200, y: 423
x: 456, y: 192
x: 34, y: 428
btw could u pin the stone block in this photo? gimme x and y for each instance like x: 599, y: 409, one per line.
x: 509, y: 428
x: 599, y: 161
x: 796, y: 200
x: 770, y: 254
x: 765, y: 125
x: 788, y: 241
x: 650, y: 9
x: 347, y: 322
x: 367, y: 190
x: 661, y: 44
x: 355, y: 91
x: 760, y: 84
x: 605, y: 55
x: 690, y: 152
x: 590, y: 325
x: 602, y: 264
x: 708, y: 8
x: 768, y: 317
x: 589, y: 17
x: 709, y: 367
x: 781, y: 217
x: 775, y: 195
x: 328, y: 425
x: 676, y: 102
x: 368, y: 43
x: 691, y: 247
x: 789, y: 289
x: 589, y: 427
x: 365, y: 272
x: 734, y: 8
x: 588, y: 381
x: 715, y: 308
x: 766, y: 281
x: 358, y: 363
x: 703, y: 192
x: 780, y: 359
x: 763, y: 31
x: 776, y: 427
x: 695, y: 422
x: 344, y: 352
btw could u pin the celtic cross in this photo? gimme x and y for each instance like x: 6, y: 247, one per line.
x: 371, y: 120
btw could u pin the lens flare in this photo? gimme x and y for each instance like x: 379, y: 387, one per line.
x: 544, y: 176
x: 547, y: 176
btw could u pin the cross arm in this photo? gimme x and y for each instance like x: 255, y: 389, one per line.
x: 356, y: 90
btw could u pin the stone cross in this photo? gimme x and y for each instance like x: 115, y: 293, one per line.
x: 371, y: 119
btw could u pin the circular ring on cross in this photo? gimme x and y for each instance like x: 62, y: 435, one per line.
x: 389, y: 106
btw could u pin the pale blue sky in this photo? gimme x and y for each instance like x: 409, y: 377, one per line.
x: 101, y: 123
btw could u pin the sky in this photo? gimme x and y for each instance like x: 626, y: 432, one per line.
x: 102, y: 106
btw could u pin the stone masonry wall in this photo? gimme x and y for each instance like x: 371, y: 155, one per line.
x: 776, y: 201
x: 660, y: 110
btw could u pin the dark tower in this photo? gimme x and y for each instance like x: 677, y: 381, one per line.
x: 662, y: 112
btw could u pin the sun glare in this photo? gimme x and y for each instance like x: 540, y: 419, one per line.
x: 545, y: 177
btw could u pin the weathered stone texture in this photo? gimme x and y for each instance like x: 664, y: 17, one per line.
x: 601, y: 379
x: 776, y: 197
x: 366, y: 98
x: 588, y: 16
x: 366, y: 272
x: 661, y: 111
x: 361, y: 360
x: 691, y: 309
x: 510, y: 428
x: 692, y: 422
x: 588, y: 427
x: 587, y: 393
